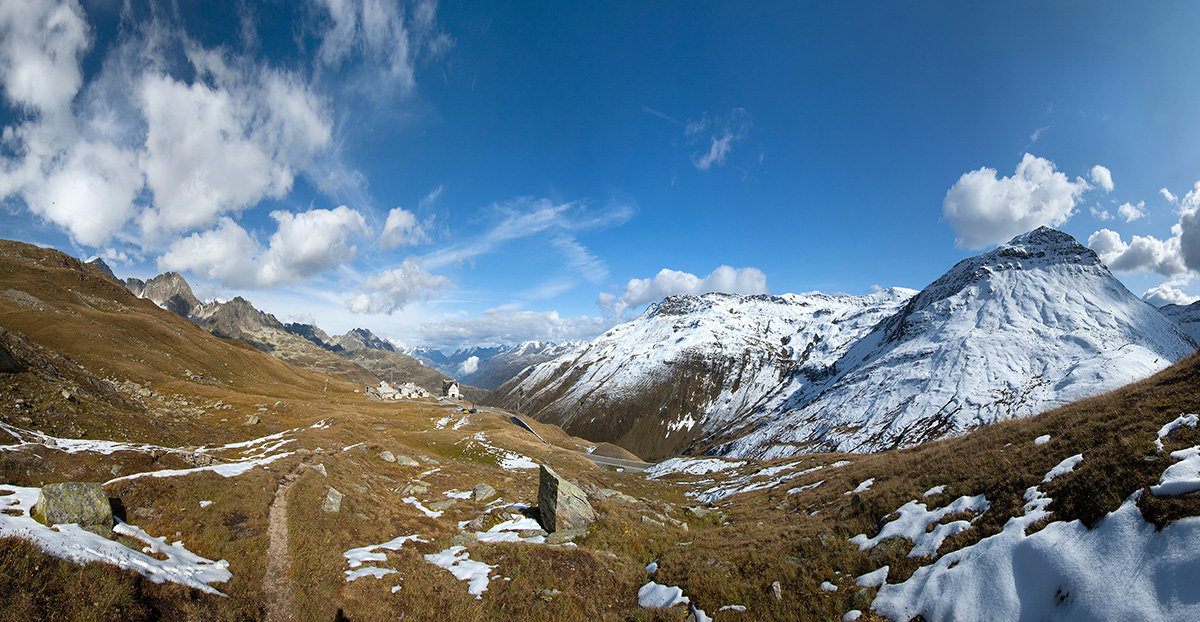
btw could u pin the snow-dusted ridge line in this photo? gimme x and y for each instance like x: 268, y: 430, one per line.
x: 1034, y: 324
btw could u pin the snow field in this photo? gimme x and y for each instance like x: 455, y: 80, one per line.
x: 735, y: 483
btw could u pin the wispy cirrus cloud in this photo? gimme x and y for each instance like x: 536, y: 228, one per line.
x: 526, y: 217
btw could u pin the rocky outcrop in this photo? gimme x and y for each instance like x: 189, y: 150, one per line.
x: 171, y: 292
x: 8, y: 363
x: 561, y: 504
x: 82, y: 503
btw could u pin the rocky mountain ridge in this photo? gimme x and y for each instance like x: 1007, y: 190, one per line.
x: 1033, y: 324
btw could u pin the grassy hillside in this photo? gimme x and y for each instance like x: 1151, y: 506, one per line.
x: 133, y: 372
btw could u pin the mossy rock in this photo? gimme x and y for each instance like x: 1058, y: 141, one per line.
x: 85, y: 504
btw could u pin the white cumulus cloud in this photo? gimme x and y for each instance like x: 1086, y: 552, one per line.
x: 985, y: 209
x: 392, y: 290
x: 469, y: 366
x: 1100, y: 214
x: 403, y: 229
x: 638, y: 292
x: 1131, y: 212
x: 1102, y: 177
x: 1163, y: 295
x: 303, y: 246
x: 1141, y: 254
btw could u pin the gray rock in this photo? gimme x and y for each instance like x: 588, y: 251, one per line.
x: 85, y: 504
x: 561, y: 504
x: 777, y: 590
x: 411, y: 489
x: 387, y: 456
x: 333, y: 501
x: 566, y: 535
x: 608, y: 494
x: 697, y: 511
x: 252, y: 420
x: 482, y: 492
x: 888, y: 547
x: 406, y: 461
x: 320, y: 468
x: 439, y: 506
x: 546, y: 594
x: 464, y: 539
x: 653, y: 523
x: 480, y: 523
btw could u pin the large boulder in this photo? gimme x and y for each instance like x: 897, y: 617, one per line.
x: 561, y: 504
x: 75, y: 502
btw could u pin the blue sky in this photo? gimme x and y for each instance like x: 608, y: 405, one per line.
x: 454, y: 174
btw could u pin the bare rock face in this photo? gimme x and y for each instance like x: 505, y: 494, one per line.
x: 561, y: 504
x: 8, y: 362
x: 75, y: 502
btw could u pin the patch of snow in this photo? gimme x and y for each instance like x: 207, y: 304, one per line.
x: 1064, y: 467
x: 506, y: 531
x: 355, y: 557
x: 229, y: 469
x: 72, y: 543
x: 516, y: 461
x: 691, y: 466
x: 851, y: 615
x: 863, y: 486
x: 428, y: 512
x: 792, y: 491
x: 652, y: 567
x: 936, y: 490
x: 828, y: 587
x: 738, y: 608
x: 1189, y: 420
x: 875, y: 578
x: 458, y: 562
x: 655, y: 596
x: 205, y: 504
x: 913, y: 523
x: 1182, y: 477
x: 455, y: 494
x: 1042, y: 440
x: 369, y: 571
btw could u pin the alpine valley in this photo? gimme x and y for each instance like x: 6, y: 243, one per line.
x: 871, y: 457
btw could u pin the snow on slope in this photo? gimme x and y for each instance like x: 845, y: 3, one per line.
x: 1034, y: 324
x: 715, y: 358
x: 1187, y: 317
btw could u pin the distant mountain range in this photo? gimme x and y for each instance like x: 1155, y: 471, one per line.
x: 1033, y: 324
x: 490, y: 367
x: 358, y: 355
